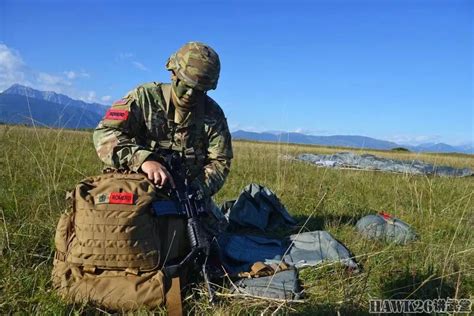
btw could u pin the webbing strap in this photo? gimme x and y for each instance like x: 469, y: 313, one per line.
x: 115, y: 221
x: 144, y: 264
x: 173, y: 298
x: 59, y: 255
x: 117, y: 251
x: 259, y: 269
x: 82, y: 234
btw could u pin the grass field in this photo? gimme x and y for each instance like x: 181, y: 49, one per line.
x: 38, y: 166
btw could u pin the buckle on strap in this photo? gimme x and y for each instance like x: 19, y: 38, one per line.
x: 132, y: 271
x: 89, y: 268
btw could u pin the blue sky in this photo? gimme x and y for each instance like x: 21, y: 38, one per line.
x: 393, y: 69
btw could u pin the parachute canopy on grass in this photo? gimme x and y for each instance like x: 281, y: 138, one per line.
x: 372, y: 162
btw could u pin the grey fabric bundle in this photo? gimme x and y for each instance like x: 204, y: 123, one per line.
x: 312, y: 248
x: 281, y: 285
x: 257, y: 207
x: 386, y: 228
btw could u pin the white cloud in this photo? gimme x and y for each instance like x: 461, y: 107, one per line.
x: 10, y: 59
x: 130, y: 58
x: 124, y: 56
x: 140, y: 66
x: 12, y: 67
x: 248, y: 128
x: 71, y: 74
x: 46, y: 79
x: 237, y: 126
x: 314, y: 132
x: 414, y: 139
x: 14, y: 70
x: 91, y: 96
x: 106, y: 98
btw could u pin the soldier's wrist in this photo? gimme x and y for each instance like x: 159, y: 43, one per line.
x: 153, y: 157
x: 138, y: 159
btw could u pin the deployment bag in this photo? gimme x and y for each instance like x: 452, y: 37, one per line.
x: 110, y: 247
x: 387, y: 228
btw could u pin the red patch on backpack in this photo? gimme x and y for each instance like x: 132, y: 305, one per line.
x: 121, y: 198
x: 113, y: 114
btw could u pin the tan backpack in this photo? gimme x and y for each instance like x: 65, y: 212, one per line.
x: 110, y: 247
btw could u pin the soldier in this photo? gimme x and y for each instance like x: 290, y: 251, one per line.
x: 178, y: 116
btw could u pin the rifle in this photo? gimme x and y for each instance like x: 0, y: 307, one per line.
x: 191, y: 204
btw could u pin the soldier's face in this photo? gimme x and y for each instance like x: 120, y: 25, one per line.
x: 187, y: 96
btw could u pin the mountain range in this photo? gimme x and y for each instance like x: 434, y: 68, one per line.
x: 347, y: 141
x: 24, y: 105
x: 54, y: 97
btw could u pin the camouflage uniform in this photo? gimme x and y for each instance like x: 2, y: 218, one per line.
x: 143, y: 122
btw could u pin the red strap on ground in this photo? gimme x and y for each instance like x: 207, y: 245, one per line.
x: 385, y: 215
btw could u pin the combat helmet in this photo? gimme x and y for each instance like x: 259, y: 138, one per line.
x: 197, y: 64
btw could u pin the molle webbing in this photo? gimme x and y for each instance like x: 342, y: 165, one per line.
x: 114, y: 226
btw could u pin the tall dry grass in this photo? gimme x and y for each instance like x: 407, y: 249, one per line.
x: 38, y: 166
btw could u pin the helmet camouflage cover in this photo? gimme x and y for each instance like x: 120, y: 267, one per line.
x: 197, y: 64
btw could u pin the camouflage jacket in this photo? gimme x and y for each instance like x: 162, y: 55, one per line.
x: 136, y: 127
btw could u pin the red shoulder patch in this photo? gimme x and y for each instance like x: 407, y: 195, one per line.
x: 121, y: 198
x: 114, y: 114
x: 121, y: 102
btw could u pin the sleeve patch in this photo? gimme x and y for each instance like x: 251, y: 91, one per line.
x: 114, y: 114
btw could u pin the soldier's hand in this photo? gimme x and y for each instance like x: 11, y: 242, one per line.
x: 157, y: 173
